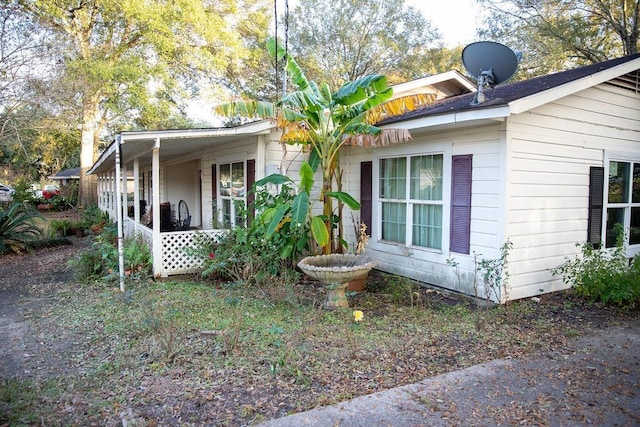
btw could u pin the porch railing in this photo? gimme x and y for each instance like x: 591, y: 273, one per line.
x: 175, y: 260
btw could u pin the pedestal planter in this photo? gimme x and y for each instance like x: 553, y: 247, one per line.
x: 335, y: 271
x: 357, y: 284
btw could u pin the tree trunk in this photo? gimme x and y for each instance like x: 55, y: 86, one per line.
x: 87, y: 194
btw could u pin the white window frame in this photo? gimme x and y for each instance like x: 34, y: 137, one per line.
x: 404, y: 249
x: 632, y: 250
x: 231, y: 197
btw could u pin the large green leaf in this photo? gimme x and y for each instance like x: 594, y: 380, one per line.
x: 295, y: 72
x: 314, y: 160
x: 275, y: 49
x: 247, y: 109
x: 299, y: 209
x: 345, y: 198
x: 292, y: 115
x: 377, y: 99
x: 274, y: 178
x: 306, y: 177
x: 359, y: 90
x: 274, y: 224
x: 319, y: 231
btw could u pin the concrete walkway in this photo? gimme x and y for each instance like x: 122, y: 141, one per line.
x: 594, y: 380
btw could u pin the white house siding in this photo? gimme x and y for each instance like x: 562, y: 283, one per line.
x: 427, y: 265
x: 266, y: 150
x: 550, y: 151
x: 182, y: 181
x: 235, y: 151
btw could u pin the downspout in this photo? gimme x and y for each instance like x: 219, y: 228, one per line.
x: 119, y: 217
x: 157, y: 237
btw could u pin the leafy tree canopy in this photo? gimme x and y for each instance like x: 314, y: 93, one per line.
x: 558, y: 34
x: 338, y: 41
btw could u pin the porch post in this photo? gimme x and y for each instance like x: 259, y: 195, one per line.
x: 155, y: 183
x: 120, y: 219
x: 136, y: 190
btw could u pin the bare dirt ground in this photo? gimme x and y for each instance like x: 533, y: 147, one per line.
x: 598, y: 370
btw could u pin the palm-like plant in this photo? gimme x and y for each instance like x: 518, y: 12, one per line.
x: 18, y: 228
x: 323, y: 122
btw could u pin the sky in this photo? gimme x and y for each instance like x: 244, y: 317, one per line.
x: 455, y: 19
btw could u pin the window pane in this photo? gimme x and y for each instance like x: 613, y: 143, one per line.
x: 634, y: 231
x: 225, y: 180
x: 226, y: 213
x: 614, y: 216
x: 618, y: 182
x: 394, y: 222
x: 427, y: 226
x: 393, y: 178
x: 426, y: 177
x: 635, y: 198
x: 237, y: 174
x: 238, y: 208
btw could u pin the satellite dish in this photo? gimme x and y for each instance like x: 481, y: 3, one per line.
x: 490, y: 63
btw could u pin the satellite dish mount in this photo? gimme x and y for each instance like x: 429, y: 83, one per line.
x: 490, y: 63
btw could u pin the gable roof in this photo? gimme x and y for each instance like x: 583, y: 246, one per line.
x: 517, y: 97
x: 442, y: 85
x: 73, y: 173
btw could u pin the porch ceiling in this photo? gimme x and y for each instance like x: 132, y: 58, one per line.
x: 173, y: 144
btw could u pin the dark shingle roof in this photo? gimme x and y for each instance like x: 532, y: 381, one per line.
x: 506, y: 93
x: 67, y: 173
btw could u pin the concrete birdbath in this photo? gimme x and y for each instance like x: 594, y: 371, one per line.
x: 335, y: 271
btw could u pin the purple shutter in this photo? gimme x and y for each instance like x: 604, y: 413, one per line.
x: 460, y: 203
x: 596, y: 199
x: 214, y: 187
x: 251, y: 197
x: 366, y: 194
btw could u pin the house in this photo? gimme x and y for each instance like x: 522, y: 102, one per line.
x: 527, y: 166
x: 206, y: 170
x: 543, y: 164
x: 66, y: 176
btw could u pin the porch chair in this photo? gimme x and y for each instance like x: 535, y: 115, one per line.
x: 184, y: 219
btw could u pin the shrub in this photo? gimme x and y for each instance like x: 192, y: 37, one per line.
x: 245, y: 255
x: 603, y: 274
x: 100, y: 261
x: 18, y: 228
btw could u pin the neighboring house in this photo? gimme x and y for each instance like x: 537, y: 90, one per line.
x: 529, y: 166
x: 209, y: 170
x: 544, y: 163
x: 66, y: 176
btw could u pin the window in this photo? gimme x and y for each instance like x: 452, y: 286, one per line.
x: 410, y: 197
x: 232, y: 193
x: 623, y: 201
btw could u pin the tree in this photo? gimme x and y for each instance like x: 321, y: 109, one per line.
x: 132, y: 59
x: 21, y: 46
x: 554, y: 35
x: 323, y: 122
x: 337, y: 41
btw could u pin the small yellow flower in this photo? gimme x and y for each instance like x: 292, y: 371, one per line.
x: 357, y: 315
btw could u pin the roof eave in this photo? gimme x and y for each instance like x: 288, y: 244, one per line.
x: 536, y: 100
x: 455, y: 118
x: 256, y: 128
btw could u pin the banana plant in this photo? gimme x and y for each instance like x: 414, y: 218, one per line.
x: 323, y: 122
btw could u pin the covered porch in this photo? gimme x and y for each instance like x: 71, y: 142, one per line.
x: 165, y: 187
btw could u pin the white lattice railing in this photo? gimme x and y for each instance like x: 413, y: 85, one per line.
x: 133, y: 229
x: 175, y: 260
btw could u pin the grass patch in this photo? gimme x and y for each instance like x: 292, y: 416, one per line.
x: 192, y: 352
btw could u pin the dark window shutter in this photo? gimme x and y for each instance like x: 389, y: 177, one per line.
x: 251, y: 197
x: 366, y: 193
x: 460, y: 234
x: 596, y: 199
x: 214, y: 187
